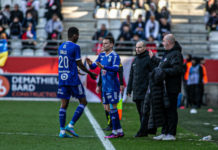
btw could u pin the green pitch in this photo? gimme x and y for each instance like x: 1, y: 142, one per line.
x: 35, y: 126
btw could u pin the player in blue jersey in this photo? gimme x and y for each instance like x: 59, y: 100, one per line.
x: 109, y: 62
x: 69, y: 82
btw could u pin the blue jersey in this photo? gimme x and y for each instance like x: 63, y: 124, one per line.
x: 69, y: 53
x: 111, y: 62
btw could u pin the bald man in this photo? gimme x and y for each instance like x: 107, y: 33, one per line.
x: 138, y: 80
x: 170, y: 68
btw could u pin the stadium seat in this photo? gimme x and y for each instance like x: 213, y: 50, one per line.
x: 101, y: 13
x: 28, y: 52
x: 115, y: 32
x: 115, y: 23
x: 138, y: 12
x: 16, y: 44
x: 114, y: 13
x: 42, y: 3
x: 214, y: 48
x: 39, y: 52
x: 15, y: 2
x: 41, y: 12
x: 213, y: 36
x: 41, y: 33
x: 16, y: 52
x: 42, y: 23
x: 125, y: 12
x: 102, y: 21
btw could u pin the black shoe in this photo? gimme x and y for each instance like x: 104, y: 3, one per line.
x: 108, y: 128
x: 139, y: 134
x: 152, y: 131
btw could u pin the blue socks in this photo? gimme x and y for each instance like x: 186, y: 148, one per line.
x: 77, y: 114
x: 62, y: 118
x: 115, y: 119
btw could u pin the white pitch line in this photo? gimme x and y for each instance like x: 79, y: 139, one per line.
x: 106, y: 143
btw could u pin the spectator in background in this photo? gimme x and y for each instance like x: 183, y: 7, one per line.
x: 3, y: 20
x: 103, y: 32
x: 54, y: 25
x: 186, y: 68
x: 53, y: 7
x: 34, y: 3
x: 100, y: 3
x: 16, y: 13
x: 127, y: 3
x: 138, y: 27
x: 165, y: 28
x: 126, y: 34
x: 30, y: 35
x: 30, y: 9
x: 52, y: 46
x: 6, y: 12
x: 98, y: 46
x: 152, y: 12
x: 205, y: 79
x: 15, y: 29
x: 165, y: 13
x: 126, y: 22
x: 212, y: 22
x: 194, y: 84
x: 29, y: 19
x: 152, y: 29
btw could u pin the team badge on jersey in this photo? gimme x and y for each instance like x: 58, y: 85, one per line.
x: 64, y: 76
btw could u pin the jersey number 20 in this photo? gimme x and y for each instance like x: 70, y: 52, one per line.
x: 63, y: 62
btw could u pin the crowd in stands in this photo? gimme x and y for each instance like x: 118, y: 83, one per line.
x: 150, y: 26
x: 211, y: 15
x: 21, y: 21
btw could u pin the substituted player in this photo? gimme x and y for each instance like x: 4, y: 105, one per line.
x: 69, y: 82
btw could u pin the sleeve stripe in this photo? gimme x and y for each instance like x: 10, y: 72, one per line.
x: 78, y: 59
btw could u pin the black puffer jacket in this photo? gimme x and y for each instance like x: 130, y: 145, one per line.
x: 153, y: 105
x: 172, y: 67
x: 139, y: 74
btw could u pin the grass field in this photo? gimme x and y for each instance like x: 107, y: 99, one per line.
x: 34, y: 126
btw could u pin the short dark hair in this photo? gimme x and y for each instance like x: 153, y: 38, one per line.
x: 72, y: 31
x: 110, y: 38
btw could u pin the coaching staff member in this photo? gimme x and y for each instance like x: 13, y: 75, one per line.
x: 138, y: 78
x: 170, y: 67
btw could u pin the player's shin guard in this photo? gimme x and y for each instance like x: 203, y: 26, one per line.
x: 62, y: 117
x: 77, y: 113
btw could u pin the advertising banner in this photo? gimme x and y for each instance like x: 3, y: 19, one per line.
x: 28, y: 86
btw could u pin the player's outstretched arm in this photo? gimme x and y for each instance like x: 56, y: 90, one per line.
x: 81, y: 66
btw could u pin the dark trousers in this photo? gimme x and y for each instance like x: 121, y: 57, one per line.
x: 195, y: 95
x: 171, y: 115
x: 139, y: 104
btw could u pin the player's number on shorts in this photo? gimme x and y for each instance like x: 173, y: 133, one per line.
x: 63, y: 62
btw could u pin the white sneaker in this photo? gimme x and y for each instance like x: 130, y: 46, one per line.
x: 193, y: 111
x: 169, y: 137
x: 159, y: 137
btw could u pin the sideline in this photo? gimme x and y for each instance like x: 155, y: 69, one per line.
x: 106, y: 143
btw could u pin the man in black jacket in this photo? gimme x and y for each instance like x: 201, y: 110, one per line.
x: 169, y: 70
x: 138, y: 79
